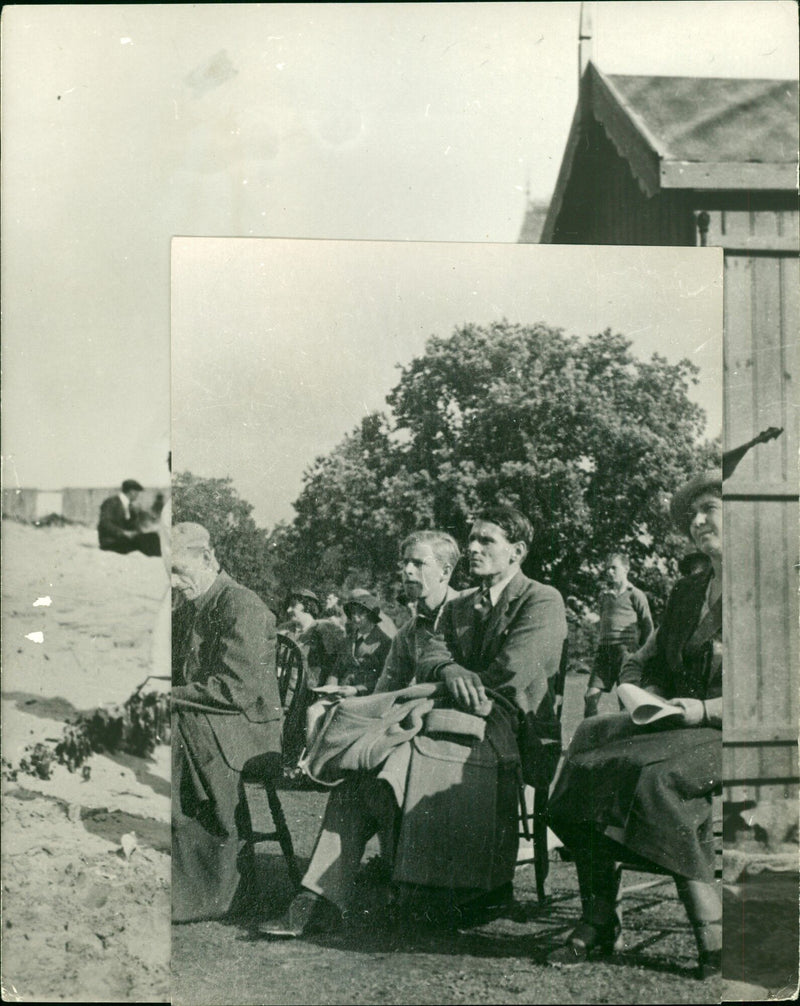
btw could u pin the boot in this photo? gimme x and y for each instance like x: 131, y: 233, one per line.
x: 599, y: 932
x: 704, y: 908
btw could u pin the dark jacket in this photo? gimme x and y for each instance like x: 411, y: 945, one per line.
x: 113, y: 521
x: 519, y: 658
x: 363, y: 659
x: 687, y: 663
x: 224, y: 657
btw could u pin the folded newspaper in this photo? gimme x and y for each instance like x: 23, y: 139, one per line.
x: 645, y: 707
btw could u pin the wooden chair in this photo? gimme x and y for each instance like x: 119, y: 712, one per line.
x: 264, y: 773
x: 533, y: 803
x: 295, y: 697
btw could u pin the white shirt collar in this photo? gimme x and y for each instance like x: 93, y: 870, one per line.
x: 126, y: 503
x: 497, y: 589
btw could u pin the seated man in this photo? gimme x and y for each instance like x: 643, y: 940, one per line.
x: 507, y: 636
x: 227, y: 712
x: 365, y: 805
x: 118, y: 529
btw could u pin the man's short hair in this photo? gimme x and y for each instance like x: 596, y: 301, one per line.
x: 443, y: 545
x: 129, y: 485
x: 512, y: 523
x: 623, y: 557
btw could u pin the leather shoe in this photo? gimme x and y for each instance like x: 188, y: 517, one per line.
x: 308, y: 913
x: 586, y: 942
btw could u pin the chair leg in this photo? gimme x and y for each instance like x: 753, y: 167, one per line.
x: 282, y: 831
x: 541, y: 861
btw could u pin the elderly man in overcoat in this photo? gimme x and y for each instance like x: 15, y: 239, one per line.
x: 227, y: 711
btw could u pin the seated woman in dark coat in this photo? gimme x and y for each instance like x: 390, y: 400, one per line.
x: 643, y: 794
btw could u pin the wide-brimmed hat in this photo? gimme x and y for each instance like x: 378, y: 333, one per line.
x: 680, y: 506
x: 367, y: 601
x: 305, y: 595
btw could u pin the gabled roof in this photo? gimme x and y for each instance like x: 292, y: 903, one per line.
x: 690, y: 132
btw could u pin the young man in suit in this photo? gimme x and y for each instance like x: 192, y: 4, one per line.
x: 507, y: 636
x: 365, y: 805
x: 227, y: 712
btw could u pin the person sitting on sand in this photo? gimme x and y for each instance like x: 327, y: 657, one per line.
x: 119, y: 530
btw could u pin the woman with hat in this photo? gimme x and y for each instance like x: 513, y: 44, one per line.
x: 642, y: 794
x: 367, y: 645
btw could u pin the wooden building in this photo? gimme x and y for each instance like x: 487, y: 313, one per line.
x: 694, y: 161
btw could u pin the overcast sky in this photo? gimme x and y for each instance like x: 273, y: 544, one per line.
x: 280, y: 347
x: 126, y: 124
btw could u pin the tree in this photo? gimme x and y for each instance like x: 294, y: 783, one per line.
x: 249, y: 553
x: 579, y: 434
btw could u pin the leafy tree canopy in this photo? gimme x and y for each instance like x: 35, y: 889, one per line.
x: 249, y: 553
x: 579, y: 434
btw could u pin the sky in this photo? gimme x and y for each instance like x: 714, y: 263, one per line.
x: 281, y: 347
x: 124, y: 125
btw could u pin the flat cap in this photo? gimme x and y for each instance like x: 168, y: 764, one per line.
x: 188, y: 535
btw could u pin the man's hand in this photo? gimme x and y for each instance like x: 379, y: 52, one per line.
x: 466, y: 688
x: 693, y: 711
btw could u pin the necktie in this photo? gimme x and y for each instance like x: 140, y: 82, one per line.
x: 483, y: 605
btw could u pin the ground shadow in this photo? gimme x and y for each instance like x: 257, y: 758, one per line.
x: 113, y: 824
x: 45, y: 708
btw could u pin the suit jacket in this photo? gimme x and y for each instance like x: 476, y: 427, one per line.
x: 112, y: 521
x: 519, y: 658
x: 224, y: 672
x: 408, y: 661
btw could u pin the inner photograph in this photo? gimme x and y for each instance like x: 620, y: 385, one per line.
x: 447, y: 621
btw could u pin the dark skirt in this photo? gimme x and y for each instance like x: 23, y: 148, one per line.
x: 648, y: 789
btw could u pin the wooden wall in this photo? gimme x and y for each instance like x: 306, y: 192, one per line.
x: 604, y: 204
x: 762, y: 654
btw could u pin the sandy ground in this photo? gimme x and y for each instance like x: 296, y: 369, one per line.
x: 83, y: 918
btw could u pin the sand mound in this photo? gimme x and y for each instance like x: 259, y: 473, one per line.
x: 82, y: 921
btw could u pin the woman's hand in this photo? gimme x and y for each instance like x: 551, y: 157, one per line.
x: 694, y: 712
